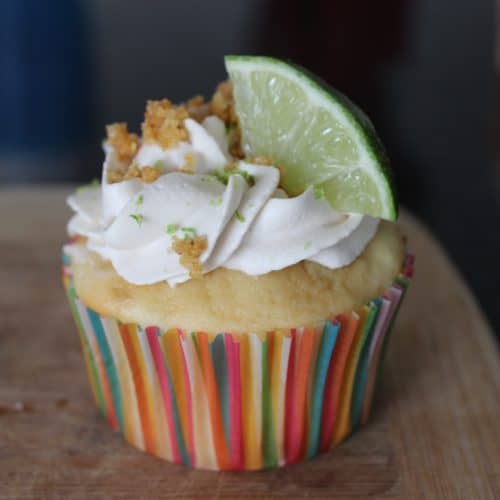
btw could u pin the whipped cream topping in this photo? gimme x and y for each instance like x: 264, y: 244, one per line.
x: 249, y: 224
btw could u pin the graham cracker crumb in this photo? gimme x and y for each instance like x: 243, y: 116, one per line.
x: 235, y: 147
x: 133, y: 172
x: 190, y: 250
x: 195, y: 101
x: 150, y: 174
x: 114, y: 175
x: 124, y: 143
x: 197, y: 108
x: 188, y: 168
x: 146, y: 174
x: 164, y: 123
x: 222, y: 105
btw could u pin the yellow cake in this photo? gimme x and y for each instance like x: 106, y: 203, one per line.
x: 224, y: 300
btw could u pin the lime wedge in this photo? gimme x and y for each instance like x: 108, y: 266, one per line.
x: 316, y: 135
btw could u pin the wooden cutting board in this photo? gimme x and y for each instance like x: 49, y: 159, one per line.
x: 435, y: 431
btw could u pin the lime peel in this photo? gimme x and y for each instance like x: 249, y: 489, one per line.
x: 314, y: 132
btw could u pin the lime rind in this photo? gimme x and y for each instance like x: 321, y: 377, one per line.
x: 372, y: 158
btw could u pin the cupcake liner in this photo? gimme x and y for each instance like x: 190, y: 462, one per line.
x: 233, y: 401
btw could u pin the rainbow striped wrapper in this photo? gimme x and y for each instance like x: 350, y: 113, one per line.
x: 231, y: 401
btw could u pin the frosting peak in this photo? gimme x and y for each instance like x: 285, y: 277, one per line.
x: 245, y: 222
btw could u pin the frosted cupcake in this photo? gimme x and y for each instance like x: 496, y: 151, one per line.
x: 233, y: 308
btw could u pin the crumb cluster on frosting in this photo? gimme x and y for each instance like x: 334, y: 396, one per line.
x: 164, y: 125
x: 124, y: 143
x: 190, y: 250
x: 197, y: 108
x: 147, y: 174
x: 222, y: 106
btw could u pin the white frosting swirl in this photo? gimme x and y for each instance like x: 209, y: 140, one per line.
x: 251, y: 228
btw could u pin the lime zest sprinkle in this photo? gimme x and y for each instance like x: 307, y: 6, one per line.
x: 190, y: 233
x: 224, y: 175
x: 239, y: 216
x: 209, y: 178
x: 172, y: 228
x: 319, y: 192
x: 93, y: 183
x: 248, y: 177
x: 215, y: 202
x: 139, y: 218
x: 307, y: 245
x: 140, y: 199
x: 158, y: 164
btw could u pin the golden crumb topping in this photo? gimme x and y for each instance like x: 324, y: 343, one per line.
x: 164, y: 123
x: 234, y: 138
x: 190, y: 250
x: 195, y: 102
x: 197, y: 108
x: 188, y: 167
x: 124, y: 143
x: 222, y: 105
x: 146, y: 174
x: 132, y: 172
x: 114, y: 175
x: 150, y: 174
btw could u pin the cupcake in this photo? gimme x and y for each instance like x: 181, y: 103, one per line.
x: 235, y: 274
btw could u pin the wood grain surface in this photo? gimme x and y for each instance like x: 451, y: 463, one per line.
x: 434, y: 432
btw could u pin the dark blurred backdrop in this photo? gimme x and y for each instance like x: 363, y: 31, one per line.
x: 424, y: 70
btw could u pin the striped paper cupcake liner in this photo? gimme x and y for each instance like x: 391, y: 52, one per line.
x: 237, y: 401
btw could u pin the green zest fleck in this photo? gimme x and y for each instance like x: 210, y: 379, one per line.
x: 139, y: 218
x: 248, y: 177
x: 140, y: 199
x: 172, y: 228
x: 223, y: 176
x: 190, y: 233
x: 215, y: 202
x: 209, y: 178
x: 158, y: 164
x: 91, y: 184
x: 307, y: 245
x: 319, y: 192
x: 239, y: 217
